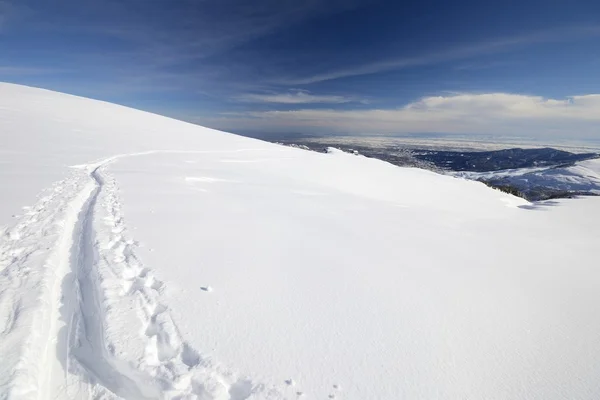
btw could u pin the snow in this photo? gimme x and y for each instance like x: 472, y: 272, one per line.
x: 167, y: 260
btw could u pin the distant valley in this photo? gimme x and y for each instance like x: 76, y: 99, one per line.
x: 532, y: 173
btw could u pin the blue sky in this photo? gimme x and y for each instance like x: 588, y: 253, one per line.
x: 522, y: 68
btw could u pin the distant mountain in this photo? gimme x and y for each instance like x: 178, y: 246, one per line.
x: 542, y: 183
x: 484, y: 161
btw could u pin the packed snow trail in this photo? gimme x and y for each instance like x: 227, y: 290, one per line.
x: 71, y: 325
x: 82, y: 312
x: 34, y: 261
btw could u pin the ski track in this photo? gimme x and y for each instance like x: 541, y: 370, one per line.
x: 82, y: 317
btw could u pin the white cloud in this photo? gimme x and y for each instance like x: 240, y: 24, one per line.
x: 490, y: 113
x: 295, y: 97
x: 447, y: 55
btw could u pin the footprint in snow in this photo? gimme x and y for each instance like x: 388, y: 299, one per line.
x: 206, y: 288
x: 290, y: 382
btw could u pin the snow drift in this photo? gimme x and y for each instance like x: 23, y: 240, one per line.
x: 165, y: 260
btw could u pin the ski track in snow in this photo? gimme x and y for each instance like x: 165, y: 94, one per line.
x: 70, y: 286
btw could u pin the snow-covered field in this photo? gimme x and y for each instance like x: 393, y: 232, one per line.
x: 146, y: 258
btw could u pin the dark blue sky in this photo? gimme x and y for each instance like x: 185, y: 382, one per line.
x: 362, y: 67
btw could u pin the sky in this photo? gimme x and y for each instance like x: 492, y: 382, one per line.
x: 526, y: 69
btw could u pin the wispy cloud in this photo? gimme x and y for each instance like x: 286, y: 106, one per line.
x: 6, y: 9
x: 484, y: 65
x: 447, y: 55
x: 11, y: 70
x: 204, y: 28
x: 162, y: 45
x: 491, y: 113
x: 296, y: 97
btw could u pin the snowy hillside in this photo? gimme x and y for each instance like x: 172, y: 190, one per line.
x: 147, y: 258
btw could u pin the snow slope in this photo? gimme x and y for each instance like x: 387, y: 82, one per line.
x: 163, y: 260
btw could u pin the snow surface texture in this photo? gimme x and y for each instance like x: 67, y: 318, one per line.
x: 170, y: 261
